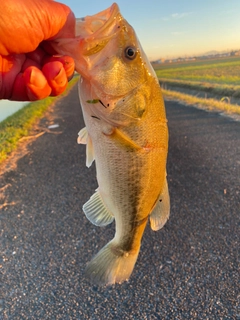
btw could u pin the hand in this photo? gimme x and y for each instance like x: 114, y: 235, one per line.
x: 30, y: 68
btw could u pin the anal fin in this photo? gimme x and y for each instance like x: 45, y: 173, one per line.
x: 96, y: 211
x: 161, y: 212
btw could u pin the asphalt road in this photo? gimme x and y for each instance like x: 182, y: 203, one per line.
x: 188, y: 270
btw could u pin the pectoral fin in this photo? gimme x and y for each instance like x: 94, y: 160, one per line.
x: 96, y: 211
x: 124, y: 140
x: 84, y: 138
x: 161, y: 212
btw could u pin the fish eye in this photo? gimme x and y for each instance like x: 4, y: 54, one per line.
x: 130, y: 53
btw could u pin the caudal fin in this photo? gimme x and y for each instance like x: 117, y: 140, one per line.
x: 111, y: 265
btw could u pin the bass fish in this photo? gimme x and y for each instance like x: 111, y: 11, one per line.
x: 126, y: 134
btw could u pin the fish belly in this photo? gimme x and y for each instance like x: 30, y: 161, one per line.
x: 130, y: 180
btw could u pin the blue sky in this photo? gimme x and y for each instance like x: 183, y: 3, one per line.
x: 171, y: 28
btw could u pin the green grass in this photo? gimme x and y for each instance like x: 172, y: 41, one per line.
x: 20, y: 123
x: 215, y: 88
x: 219, y: 71
x: 220, y: 77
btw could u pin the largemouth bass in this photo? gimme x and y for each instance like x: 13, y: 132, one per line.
x: 126, y: 134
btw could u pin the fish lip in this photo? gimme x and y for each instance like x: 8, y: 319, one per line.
x: 109, y: 15
x: 91, y: 35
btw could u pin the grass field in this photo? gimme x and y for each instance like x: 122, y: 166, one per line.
x: 220, y: 77
x: 219, y: 71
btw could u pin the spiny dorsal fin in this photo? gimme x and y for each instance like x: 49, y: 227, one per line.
x: 161, y: 212
x: 84, y: 138
x: 96, y: 211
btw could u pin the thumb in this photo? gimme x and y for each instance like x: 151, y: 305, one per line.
x: 35, y: 21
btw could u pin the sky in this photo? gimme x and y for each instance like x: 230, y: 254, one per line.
x: 173, y: 28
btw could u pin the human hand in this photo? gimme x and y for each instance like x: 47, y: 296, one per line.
x: 30, y: 68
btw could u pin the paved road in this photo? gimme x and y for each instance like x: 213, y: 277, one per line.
x: 189, y: 270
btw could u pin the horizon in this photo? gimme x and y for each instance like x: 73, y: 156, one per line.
x: 208, y: 55
x: 172, y: 29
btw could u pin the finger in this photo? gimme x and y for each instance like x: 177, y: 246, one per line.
x: 56, y: 77
x: 36, y: 84
x: 19, y: 89
x: 37, y: 55
x: 67, y: 62
x: 10, y: 66
x: 21, y: 78
x: 30, y: 86
x: 34, y: 21
x: 30, y: 63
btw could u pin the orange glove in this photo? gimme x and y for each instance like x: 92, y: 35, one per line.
x: 30, y: 68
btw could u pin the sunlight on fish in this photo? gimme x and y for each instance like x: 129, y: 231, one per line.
x: 126, y: 134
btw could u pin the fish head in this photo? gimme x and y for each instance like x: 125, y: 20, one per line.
x: 112, y: 65
x: 110, y: 55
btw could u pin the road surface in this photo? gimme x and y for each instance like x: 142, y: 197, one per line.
x: 188, y: 270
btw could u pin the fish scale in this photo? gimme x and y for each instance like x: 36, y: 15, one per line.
x: 126, y: 134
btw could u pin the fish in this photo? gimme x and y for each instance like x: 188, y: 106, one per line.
x: 126, y: 134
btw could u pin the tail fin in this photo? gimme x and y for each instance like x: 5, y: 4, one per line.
x: 111, y: 265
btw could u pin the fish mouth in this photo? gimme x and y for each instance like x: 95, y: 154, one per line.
x: 97, y: 30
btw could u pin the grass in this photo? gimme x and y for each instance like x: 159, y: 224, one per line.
x: 226, y: 71
x: 220, y: 77
x: 215, y: 88
x: 20, y: 123
x: 210, y: 104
